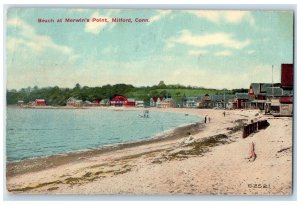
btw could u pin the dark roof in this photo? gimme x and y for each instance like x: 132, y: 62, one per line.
x: 275, y: 91
x: 155, y: 98
x: 259, y: 88
x: 229, y: 97
x: 168, y: 100
x: 220, y: 98
x: 200, y: 97
x: 255, y: 87
x: 242, y: 96
x: 264, y: 86
x: 216, y: 98
x: 191, y: 98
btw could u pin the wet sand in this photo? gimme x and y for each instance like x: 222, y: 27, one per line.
x: 212, y: 159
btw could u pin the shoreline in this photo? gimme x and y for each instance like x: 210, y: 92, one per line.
x: 214, y: 159
x: 134, y: 142
x: 40, y: 163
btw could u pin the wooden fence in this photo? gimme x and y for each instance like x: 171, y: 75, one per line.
x: 255, y: 126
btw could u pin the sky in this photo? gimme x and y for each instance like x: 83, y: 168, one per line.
x: 205, y: 48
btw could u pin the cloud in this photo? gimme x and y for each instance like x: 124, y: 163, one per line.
x: 205, y: 40
x: 96, y: 27
x: 196, y: 52
x: 233, y: 17
x: 250, y: 52
x: 209, y: 77
x: 161, y: 14
x: 32, y: 40
x: 223, y: 53
x: 25, y: 29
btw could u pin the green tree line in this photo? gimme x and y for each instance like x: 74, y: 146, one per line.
x: 58, y: 96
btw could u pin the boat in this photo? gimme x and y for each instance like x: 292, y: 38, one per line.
x: 145, y: 114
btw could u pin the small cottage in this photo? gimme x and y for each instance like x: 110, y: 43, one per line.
x: 118, y: 100
x: 205, y: 102
x: 71, y: 102
x: 20, y: 103
x: 190, y: 102
x: 155, y: 101
x: 167, y: 103
x: 40, y: 102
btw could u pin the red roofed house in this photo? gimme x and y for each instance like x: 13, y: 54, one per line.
x: 120, y: 100
x: 40, y: 102
x: 155, y: 101
x: 130, y: 102
x: 97, y: 102
x: 240, y: 100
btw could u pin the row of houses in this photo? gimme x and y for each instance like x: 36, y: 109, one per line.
x: 228, y: 101
x: 273, y: 98
x: 207, y: 101
x: 276, y: 99
x: 37, y: 102
x: 73, y: 102
x: 162, y: 102
x: 117, y: 101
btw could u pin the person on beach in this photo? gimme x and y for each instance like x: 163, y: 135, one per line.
x: 252, y: 152
x: 205, y: 119
x: 208, y: 119
x: 224, y: 113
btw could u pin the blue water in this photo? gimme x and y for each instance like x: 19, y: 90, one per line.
x: 42, y: 132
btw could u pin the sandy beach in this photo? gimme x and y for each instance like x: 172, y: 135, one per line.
x: 200, y: 159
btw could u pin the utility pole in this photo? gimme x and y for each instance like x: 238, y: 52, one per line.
x: 272, y: 84
x: 224, y: 100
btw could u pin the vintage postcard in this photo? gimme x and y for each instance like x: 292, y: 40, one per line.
x: 149, y: 101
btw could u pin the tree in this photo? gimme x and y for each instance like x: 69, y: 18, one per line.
x: 163, y: 93
x: 162, y: 84
x: 77, y: 86
x: 154, y: 93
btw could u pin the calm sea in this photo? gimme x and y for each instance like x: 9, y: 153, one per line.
x: 42, y: 132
